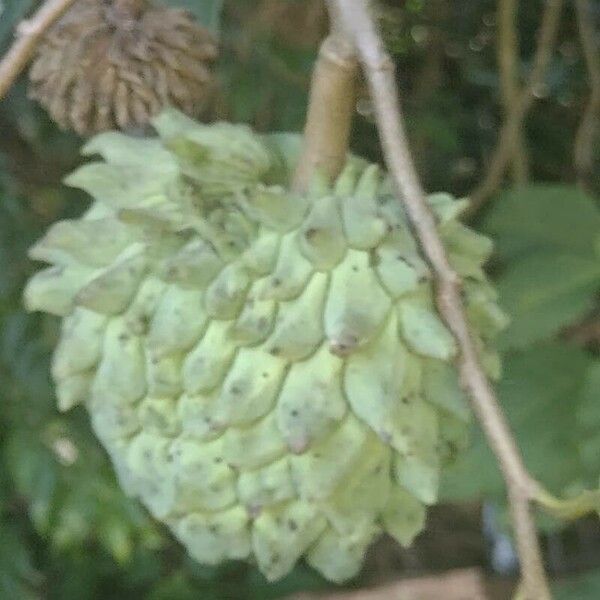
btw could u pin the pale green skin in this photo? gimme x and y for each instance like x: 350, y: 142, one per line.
x: 267, y: 372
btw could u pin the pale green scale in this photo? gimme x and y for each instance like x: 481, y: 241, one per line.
x: 254, y: 446
x: 484, y: 315
x: 206, y: 365
x: 467, y: 250
x: 226, y: 294
x: 260, y: 257
x: 118, y: 148
x: 256, y: 319
x: 141, y: 310
x: 121, y: 375
x: 327, y: 463
x: 364, y: 227
x: 356, y: 305
x: 163, y: 374
x: 397, y: 275
x: 345, y: 184
x: 93, y: 242
x: 321, y: 236
x: 290, y: 274
x: 202, y: 479
x: 53, y: 289
x: 441, y: 389
x: 250, y: 387
x: 73, y: 390
x: 455, y: 436
x: 445, y: 207
x: 268, y: 485
x: 119, y: 186
x: 403, y: 516
x: 158, y: 415
x: 298, y: 330
x: 113, y: 420
x: 214, y: 537
x: 147, y: 464
x: 195, y: 413
x: 424, y: 332
x: 340, y: 557
x: 280, y: 536
x: 356, y: 505
x: 80, y: 344
x: 374, y: 382
x: 178, y: 323
x: 311, y: 402
x: 194, y: 266
x: 417, y: 469
x: 274, y: 207
x: 112, y: 289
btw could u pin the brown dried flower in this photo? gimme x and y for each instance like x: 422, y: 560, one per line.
x: 116, y: 63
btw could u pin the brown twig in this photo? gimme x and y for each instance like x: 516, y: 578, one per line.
x: 379, y: 71
x: 508, y: 62
x: 589, y: 124
x: 513, y: 123
x: 28, y: 34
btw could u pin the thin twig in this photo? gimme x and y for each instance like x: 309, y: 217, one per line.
x: 502, y: 153
x: 379, y: 71
x: 28, y: 34
x: 332, y: 104
x: 508, y: 62
x: 589, y: 124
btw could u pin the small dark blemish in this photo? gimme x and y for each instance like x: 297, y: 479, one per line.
x: 310, y: 233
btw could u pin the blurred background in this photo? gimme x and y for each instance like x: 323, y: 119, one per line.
x: 68, y: 532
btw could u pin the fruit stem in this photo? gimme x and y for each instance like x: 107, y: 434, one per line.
x: 331, y: 108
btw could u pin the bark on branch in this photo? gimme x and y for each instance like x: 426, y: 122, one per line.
x: 508, y: 62
x: 590, y: 121
x: 28, y: 34
x: 514, y: 121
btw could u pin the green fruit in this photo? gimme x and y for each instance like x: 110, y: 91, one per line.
x: 267, y: 371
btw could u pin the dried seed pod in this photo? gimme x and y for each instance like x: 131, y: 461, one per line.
x: 110, y: 64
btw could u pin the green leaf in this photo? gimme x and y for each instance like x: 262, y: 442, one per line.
x: 582, y: 587
x: 540, y: 394
x: 11, y: 13
x: 208, y: 12
x: 545, y: 292
x: 540, y: 217
x: 33, y: 469
x: 17, y: 574
x: 589, y: 420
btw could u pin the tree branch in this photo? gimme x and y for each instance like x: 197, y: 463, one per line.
x: 508, y: 62
x: 28, y: 34
x: 379, y: 71
x: 514, y: 121
x: 588, y: 126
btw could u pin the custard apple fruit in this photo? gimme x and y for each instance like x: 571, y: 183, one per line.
x: 266, y: 370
